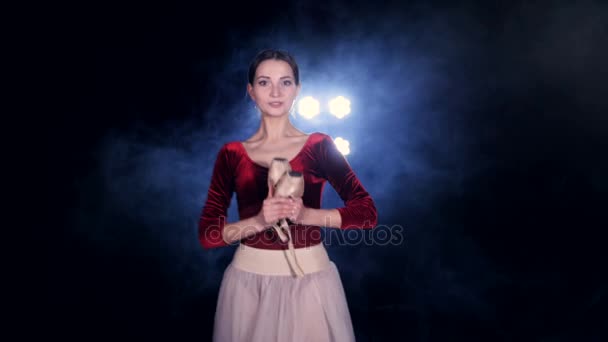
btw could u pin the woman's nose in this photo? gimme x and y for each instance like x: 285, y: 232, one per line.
x: 275, y: 91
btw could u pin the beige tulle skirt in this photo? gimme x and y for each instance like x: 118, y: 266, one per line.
x: 260, y: 299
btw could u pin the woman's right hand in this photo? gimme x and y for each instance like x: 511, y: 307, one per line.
x: 275, y: 209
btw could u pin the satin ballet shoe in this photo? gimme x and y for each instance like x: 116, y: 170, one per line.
x: 286, y: 183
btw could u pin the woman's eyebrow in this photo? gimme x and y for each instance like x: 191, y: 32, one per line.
x: 262, y: 76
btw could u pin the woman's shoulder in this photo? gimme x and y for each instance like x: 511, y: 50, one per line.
x: 316, y: 137
x: 321, y: 140
x: 231, y: 147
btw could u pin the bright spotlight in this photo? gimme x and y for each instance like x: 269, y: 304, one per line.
x: 342, y: 145
x: 339, y: 107
x: 308, y: 107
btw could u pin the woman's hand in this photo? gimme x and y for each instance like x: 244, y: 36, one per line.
x: 298, y: 209
x: 275, y: 209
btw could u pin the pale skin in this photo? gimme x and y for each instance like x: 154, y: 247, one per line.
x: 274, y: 91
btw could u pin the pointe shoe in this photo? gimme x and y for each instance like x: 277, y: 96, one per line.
x: 279, y: 167
x: 291, y: 184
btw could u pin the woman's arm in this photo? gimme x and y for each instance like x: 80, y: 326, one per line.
x: 213, y: 230
x: 329, y: 218
x: 242, y: 229
x: 215, y: 211
x: 359, y: 210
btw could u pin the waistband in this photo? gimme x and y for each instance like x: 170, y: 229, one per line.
x: 275, y: 261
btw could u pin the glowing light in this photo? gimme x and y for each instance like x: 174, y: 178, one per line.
x: 308, y: 107
x: 339, y: 107
x: 343, y: 145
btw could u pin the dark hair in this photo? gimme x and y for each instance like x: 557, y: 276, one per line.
x: 279, y: 55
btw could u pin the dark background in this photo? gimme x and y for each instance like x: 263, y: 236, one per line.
x: 479, y: 129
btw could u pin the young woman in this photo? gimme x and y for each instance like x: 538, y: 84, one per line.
x: 260, y: 299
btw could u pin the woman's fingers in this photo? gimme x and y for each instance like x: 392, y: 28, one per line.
x: 279, y: 208
x: 273, y: 215
x: 280, y: 200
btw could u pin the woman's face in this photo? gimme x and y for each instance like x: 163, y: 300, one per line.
x: 274, y: 87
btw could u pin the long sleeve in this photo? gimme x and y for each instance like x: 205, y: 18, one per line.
x: 215, y: 211
x: 359, y: 210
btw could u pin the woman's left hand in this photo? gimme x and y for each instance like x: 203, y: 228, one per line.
x: 297, y: 210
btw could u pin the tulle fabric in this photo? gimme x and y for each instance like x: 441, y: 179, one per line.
x: 257, y: 307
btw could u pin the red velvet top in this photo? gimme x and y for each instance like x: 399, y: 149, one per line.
x: 319, y: 161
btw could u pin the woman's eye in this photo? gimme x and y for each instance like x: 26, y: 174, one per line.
x: 287, y: 83
x: 262, y: 83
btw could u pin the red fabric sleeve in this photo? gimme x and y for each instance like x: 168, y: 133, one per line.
x: 359, y: 210
x: 215, y: 211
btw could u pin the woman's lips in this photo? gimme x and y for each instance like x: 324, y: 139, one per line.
x: 275, y: 104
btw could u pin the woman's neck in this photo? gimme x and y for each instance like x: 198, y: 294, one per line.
x: 275, y: 128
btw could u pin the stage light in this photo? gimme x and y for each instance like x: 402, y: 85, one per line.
x: 343, y: 145
x: 308, y: 107
x: 339, y: 107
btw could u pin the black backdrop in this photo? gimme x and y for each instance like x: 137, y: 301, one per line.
x: 493, y: 117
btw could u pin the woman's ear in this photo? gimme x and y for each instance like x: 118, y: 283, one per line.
x: 250, y: 92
